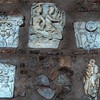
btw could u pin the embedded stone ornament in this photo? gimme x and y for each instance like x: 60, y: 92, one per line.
x: 91, y: 80
x: 9, y: 28
x: 91, y: 26
x: 46, y: 26
x: 87, y: 34
x: 7, y: 75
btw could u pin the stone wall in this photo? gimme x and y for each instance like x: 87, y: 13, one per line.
x: 62, y: 68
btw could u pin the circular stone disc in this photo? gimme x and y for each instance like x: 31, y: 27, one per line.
x: 91, y: 26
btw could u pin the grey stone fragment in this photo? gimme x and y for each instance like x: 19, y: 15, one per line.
x: 62, y: 79
x: 46, y: 92
x: 42, y: 80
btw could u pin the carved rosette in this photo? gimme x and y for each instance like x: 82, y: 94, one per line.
x: 87, y: 34
x: 7, y: 77
x: 9, y: 29
x: 46, y: 26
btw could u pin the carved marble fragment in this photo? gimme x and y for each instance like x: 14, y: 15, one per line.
x: 91, y: 80
x: 46, y: 26
x: 7, y: 75
x: 87, y: 34
x: 9, y: 28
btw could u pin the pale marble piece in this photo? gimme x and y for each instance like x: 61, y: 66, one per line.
x: 46, y: 92
x: 87, y: 34
x: 7, y: 75
x: 91, y: 80
x: 46, y: 26
x: 42, y: 80
x: 9, y: 29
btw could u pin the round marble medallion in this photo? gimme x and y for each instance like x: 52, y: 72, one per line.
x: 91, y: 26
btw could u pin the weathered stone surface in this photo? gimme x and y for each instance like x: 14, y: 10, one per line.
x: 66, y: 70
x: 62, y: 91
x: 34, y: 51
x: 7, y: 75
x: 42, y: 80
x: 8, y: 1
x: 48, y: 61
x: 22, y: 94
x: 46, y: 92
x: 46, y: 26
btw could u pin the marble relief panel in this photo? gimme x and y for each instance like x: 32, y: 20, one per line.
x: 46, y: 26
x: 9, y: 30
x: 87, y: 34
x: 7, y: 76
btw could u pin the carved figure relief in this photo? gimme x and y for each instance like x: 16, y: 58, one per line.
x: 91, y: 80
x: 46, y: 26
x: 9, y: 28
x: 87, y: 34
x: 7, y: 75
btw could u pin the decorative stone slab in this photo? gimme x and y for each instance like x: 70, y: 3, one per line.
x: 87, y: 34
x: 9, y: 28
x: 7, y: 75
x: 46, y: 26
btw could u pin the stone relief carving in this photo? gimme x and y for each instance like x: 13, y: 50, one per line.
x: 9, y: 28
x: 87, y: 34
x: 46, y: 26
x: 91, y: 80
x: 7, y: 74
